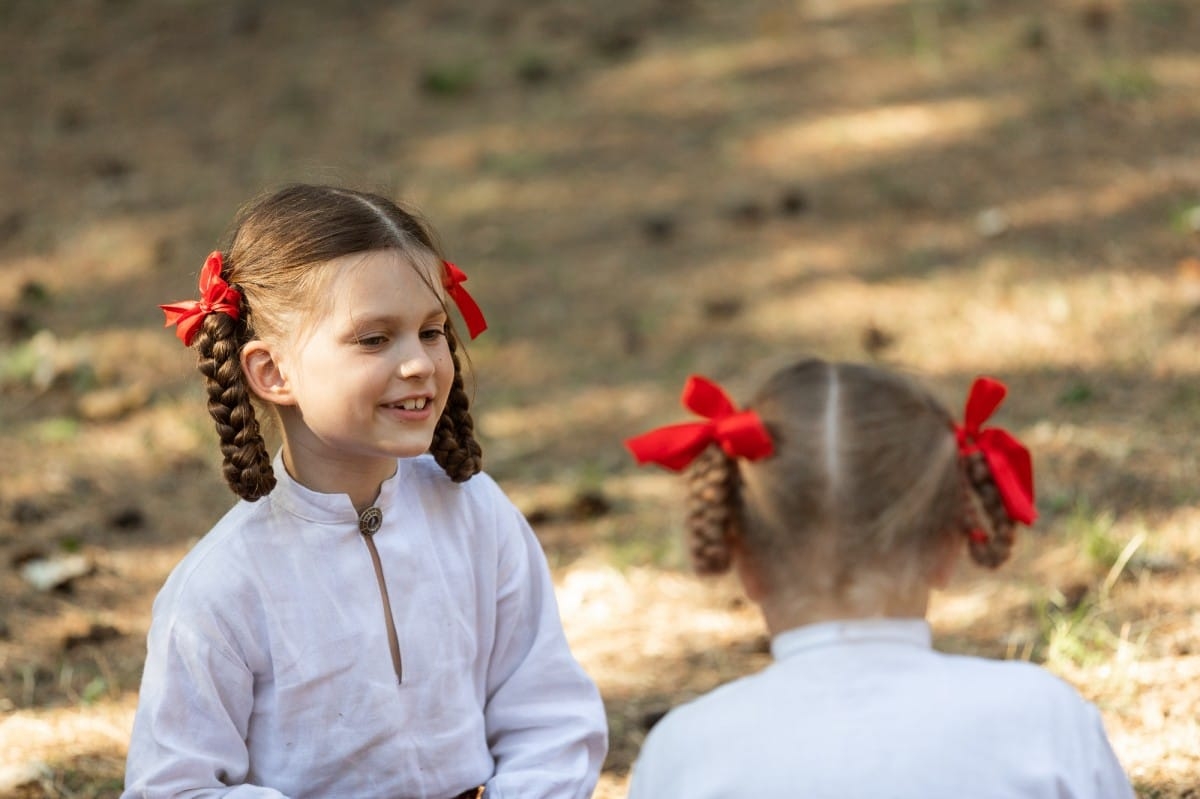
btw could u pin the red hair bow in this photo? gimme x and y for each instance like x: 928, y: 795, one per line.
x: 741, y: 434
x: 471, y: 313
x: 216, y: 296
x: 1007, y: 458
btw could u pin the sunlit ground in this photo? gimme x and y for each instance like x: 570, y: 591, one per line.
x: 947, y: 188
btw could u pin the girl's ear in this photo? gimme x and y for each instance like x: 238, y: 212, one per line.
x: 266, y: 379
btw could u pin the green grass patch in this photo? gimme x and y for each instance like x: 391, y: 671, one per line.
x: 452, y: 79
x: 1077, y: 394
x: 94, y: 691
x: 1077, y: 633
x: 1125, y: 82
x: 533, y: 68
x: 644, y: 548
x: 1077, y: 629
x: 1160, y: 13
x: 56, y: 430
x: 516, y: 163
x: 19, y: 364
x: 1095, y: 532
x: 1185, y: 218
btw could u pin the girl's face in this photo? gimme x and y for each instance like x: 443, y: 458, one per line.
x: 368, y: 380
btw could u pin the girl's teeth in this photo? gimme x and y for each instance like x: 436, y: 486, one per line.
x: 413, y: 404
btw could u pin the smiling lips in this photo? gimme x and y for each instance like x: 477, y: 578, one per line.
x: 409, y: 404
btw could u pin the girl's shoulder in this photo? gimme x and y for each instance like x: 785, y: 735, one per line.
x: 1018, y: 673
x: 426, y: 471
x: 430, y: 483
x: 1011, y: 687
x: 472, y: 520
x: 223, y: 547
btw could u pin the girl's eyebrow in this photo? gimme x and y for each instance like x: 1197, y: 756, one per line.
x: 394, y: 318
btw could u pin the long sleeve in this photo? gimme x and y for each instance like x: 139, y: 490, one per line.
x: 546, y: 725
x: 190, y: 729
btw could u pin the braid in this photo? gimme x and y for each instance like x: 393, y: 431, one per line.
x: 985, y: 512
x: 712, y: 510
x: 454, y: 446
x: 247, y: 466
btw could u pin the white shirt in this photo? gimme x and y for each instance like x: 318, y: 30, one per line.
x: 869, y: 709
x: 268, y: 672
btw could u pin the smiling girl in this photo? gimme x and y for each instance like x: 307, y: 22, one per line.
x: 375, y: 618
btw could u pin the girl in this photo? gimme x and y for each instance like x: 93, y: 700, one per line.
x: 375, y: 619
x: 841, y: 500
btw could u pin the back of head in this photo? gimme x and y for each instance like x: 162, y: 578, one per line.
x: 865, y: 482
x: 279, y: 244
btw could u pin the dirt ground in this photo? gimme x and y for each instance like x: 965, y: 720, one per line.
x: 639, y: 189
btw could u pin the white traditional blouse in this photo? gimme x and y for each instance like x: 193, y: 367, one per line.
x: 868, y: 708
x: 269, y: 672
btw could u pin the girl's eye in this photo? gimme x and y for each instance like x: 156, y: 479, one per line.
x: 372, y: 341
x: 433, y: 333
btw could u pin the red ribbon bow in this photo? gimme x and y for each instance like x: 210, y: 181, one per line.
x: 471, y: 313
x: 741, y: 434
x: 1007, y: 458
x: 216, y: 296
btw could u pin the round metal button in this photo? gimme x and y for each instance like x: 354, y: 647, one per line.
x: 370, y: 520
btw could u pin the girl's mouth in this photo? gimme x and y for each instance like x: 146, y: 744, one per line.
x: 410, y: 404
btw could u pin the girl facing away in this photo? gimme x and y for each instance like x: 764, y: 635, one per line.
x: 375, y: 618
x: 842, y: 497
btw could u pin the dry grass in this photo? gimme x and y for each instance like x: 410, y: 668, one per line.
x: 691, y: 186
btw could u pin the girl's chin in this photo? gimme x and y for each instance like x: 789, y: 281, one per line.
x: 413, y: 450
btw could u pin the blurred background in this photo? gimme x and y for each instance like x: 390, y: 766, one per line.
x: 639, y: 190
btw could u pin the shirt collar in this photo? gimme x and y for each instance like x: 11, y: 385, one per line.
x: 314, y: 506
x: 911, y: 632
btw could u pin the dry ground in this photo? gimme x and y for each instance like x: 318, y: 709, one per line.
x: 639, y: 189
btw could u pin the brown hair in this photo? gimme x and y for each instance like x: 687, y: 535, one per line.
x: 865, y: 476
x: 277, y: 240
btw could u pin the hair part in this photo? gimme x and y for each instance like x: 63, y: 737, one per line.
x: 279, y: 244
x: 866, y: 483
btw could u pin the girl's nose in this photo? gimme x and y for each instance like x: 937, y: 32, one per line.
x: 416, y: 363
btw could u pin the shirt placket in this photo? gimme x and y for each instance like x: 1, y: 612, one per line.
x: 369, y: 522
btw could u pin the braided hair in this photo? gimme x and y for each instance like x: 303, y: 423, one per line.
x: 278, y: 245
x: 713, y: 507
x: 454, y: 446
x: 247, y: 464
x: 866, y: 473
x: 990, y: 530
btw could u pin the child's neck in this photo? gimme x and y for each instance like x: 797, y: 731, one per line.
x: 361, y: 486
x: 787, y: 613
x: 794, y: 597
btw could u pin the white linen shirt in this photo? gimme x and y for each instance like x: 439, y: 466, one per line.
x: 868, y: 708
x: 268, y: 672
